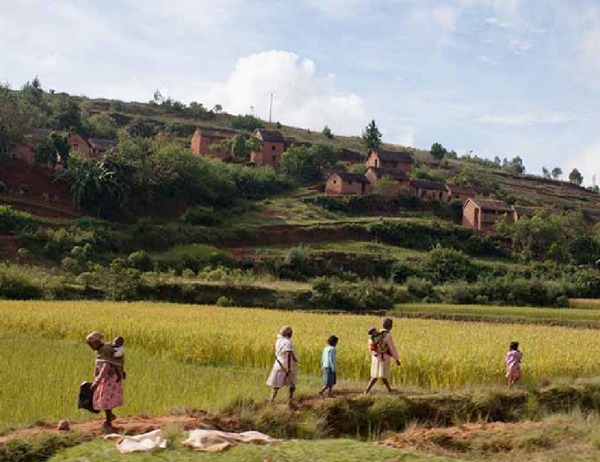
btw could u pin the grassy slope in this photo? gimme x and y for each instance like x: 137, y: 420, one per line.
x: 288, y: 451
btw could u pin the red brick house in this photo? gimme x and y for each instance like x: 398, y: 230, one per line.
x: 273, y: 146
x: 427, y: 189
x: 204, y: 138
x: 400, y: 179
x: 522, y: 211
x: 459, y: 193
x: 347, y: 183
x: 89, y: 147
x: 397, y: 160
x: 482, y: 214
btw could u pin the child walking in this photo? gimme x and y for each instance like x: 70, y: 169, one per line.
x: 513, y: 363
x: 329, y: 365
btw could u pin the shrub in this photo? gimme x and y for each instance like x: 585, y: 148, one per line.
x: 194, y: 257
x: 140, y: 260
x: 3, y: 187
x: 200, y: 216
x: 225, y: 301
x: 13, y: 221
x: 419, y: 287
x: 16, y: 283
x: 444, y: 264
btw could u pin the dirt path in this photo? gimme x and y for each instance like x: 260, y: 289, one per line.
x: 130, y: 425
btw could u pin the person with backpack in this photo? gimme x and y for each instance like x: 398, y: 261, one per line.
x: 382, y: 349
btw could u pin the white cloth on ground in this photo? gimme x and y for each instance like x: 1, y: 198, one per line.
x: 145, y: 442
x: 216, y: 440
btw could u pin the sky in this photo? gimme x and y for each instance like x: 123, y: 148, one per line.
x: 486, y: 77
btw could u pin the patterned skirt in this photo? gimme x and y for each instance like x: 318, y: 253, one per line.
x: 109, y: 393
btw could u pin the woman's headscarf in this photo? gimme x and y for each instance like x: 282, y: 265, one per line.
x: 285, y: 331
x: 94, y: 337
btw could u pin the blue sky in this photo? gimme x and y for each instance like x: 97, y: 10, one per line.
x: 495, y: 77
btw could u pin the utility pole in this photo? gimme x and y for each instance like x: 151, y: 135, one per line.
x: 271, y: 108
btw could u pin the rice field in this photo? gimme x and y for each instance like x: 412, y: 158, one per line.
x: 583, y: 312
x: 435, y: 354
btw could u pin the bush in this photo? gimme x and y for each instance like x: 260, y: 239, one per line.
x: 140, y: 260
x: 351, y: 297
x: 444, y: 264
x: 224, y: 301
x: 419, y: 287
x: 17, y: 284
x: 246, y: 122
x: 200, y: 216
x: 13, y: 221
x: 194, y: 257
x: 3, y: 187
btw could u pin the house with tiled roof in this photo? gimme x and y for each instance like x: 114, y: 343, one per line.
x: 347, y: 183
x: 399, y: 178
x: 397, y: 160
x: 428, y: 189
x: 459, y: 192
x: 482, y: 214
x: 89, y: 147
x: 204, y: 138
x: 272, y: 147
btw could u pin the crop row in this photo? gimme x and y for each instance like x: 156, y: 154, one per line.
x: 434, y: 353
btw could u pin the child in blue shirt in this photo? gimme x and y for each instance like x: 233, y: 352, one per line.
x: 329, y: 366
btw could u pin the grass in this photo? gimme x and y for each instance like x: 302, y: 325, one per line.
x: 341, y: 450
x: 435, y: 354
x: 40, y: 379
x: 578, y: 317
x: 585, y: 303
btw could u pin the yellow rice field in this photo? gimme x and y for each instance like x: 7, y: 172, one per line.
x: 434, y: 353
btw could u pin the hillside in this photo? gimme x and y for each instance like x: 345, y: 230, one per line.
x: 182, y: 227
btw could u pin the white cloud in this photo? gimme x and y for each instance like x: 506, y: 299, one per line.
x: 526, y: 119
x: 445, y: 16
x: 404, y: 135
x: 587, y: 161
x: 301, y: 97
x: 497, y: 22
x: 520, y: 46
x: 336, y: 8
x: 588, y: 57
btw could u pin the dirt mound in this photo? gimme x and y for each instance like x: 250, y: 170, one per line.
x: 481, y: 437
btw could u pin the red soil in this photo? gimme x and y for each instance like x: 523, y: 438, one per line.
x: 43, y: 196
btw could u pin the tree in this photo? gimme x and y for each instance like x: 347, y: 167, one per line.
x: 247, y: 122
x: 438, y: 151
x: 300, y: 165
x: 239, y: 146
x: 96, y: 188
x: 514, y: 166
x: 546, y: 173
x: 327, y: 133
x: 67, y: 115
x: 51, y: 149
x: 325, y: 154
x: 217, y: 108
x: 103, y: 126
x: 141, y: 128
x: 15, y: 120
x: 556, y: 172
x: 576, y: 177
x: 371, y: 136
